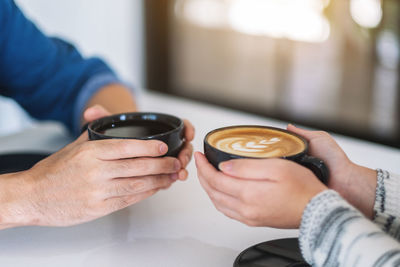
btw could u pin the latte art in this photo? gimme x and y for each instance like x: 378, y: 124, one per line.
x: 256, y: 142
x: 245, y: 145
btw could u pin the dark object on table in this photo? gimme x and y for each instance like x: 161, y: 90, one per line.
x: 275, y: 253
x: 143, y: 126
x: 19, y: 161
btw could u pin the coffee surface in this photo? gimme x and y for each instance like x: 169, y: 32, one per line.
x: 135, y: 129
x: 256, y: 142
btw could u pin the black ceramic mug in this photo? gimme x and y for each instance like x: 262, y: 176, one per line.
x: 258, y: 142
x: 142, y: 126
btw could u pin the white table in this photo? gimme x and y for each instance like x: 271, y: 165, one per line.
x: 178, y: 227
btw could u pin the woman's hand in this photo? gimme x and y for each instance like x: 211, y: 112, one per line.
x: 355, y: 183
x: 259, y: 192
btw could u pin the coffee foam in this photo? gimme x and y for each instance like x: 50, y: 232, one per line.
x: 257, y: 142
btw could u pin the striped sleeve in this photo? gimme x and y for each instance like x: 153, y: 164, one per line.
x: 387, y: 203
x: 333, y: 233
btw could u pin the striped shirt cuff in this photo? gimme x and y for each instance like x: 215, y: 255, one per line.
x: 387, y: 203
x: 316, y: 215
x: 333, y: 233
x: 92, y: 86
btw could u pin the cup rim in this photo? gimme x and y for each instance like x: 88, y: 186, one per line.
x: 142, y: 116
x: 258, y: 126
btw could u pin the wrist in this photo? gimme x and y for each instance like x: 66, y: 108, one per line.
x: 360, y: 189
x: 16, y: 200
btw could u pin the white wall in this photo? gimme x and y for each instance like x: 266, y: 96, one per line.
x: 111, y: 29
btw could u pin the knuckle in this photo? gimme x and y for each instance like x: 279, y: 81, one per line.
x: 249, y: 214
x: 245, y: 195
x: 128, y: 188
x: 250, y: 223
x: 219, y: 208
x: 93, y: 198
x: 123, y: 166
x: 167, y: 165
x: 154, y: 146
x: 323, y: 133
x: 118, y: 190
x: 142, y: 165
x: 121, y: 147
x: 214, y: 183
x: 213, y: 196
x: 136, y: 186
x: 121, y: 203
x: 164, y: 180
x: 96, y: 194
x: 83, y: 150
x: 92, y: 174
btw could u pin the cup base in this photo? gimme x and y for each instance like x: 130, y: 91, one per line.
x: 277, y: 253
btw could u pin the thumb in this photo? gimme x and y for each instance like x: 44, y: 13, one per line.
x: 95, y: 112
x: 302, y: 132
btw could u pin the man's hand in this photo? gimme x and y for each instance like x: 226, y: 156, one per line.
x: 259, y: 192
x: 184, y: 156
x: 355, y: 183
x: 87, y: 180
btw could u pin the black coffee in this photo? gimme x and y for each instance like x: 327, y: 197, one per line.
x: 134, y: 129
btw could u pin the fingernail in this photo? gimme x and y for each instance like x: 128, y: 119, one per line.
x: 226, y: 166
x: 177, y: 165
x: 163, y: 148
x: 174, y: 176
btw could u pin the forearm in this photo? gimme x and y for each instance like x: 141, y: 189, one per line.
x: 15, y: 200
x: 333, y: 233
x: 360, y: 189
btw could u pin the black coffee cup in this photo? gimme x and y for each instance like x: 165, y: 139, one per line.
x: 258, y: 142
x: 142, y: 126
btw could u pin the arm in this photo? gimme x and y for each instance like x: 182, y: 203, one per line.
x: 47, y: 76
x: 279, y: 193
x: 375, y: 193
x: 333, y: 233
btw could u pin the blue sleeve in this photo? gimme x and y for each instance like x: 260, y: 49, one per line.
x: 46, y: 76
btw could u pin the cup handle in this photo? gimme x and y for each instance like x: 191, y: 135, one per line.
x: 317, y: 166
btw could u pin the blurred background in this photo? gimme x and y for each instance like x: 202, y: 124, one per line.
x: 332, y: 65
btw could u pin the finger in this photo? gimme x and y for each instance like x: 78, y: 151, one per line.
x: 140, y: 167
x: 230, y: 213
x: 304, y: 133
x: 183, y: 175
x: 217, y: 180
x: 135, y: 185
x: 189, y: 130
x: 186, y: 154
x: 117, y: 203
x: 95, y: 112
x: 219, y: 199
x: 127, y: 148
x: 258, y: 169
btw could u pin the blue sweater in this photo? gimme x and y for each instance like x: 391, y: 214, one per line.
x: 46, y: 76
